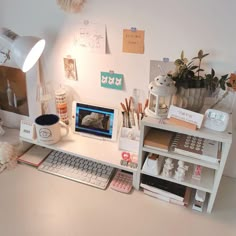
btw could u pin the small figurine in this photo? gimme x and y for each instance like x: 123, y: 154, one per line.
x: 197, y: 172
x: 168, y: 167
x: 130, y: 160
x: 180, y: 172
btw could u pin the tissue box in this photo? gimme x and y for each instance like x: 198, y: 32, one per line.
x: 153, y: 164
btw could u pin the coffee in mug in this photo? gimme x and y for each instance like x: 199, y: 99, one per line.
x: 49, y: 129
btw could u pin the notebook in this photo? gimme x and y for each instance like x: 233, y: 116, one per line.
x: 158, y: 139
x: 196, y: 147
x: 163, y: 187
x: 35, y: 155
x: 162, y: 197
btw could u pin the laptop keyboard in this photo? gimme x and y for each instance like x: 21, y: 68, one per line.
x: 77, y: 169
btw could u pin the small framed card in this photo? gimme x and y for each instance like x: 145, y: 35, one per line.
x: 186, y: 116
x: 27, y: 130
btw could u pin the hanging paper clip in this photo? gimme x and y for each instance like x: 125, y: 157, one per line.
x: 111, y: 71
x: 166, y: 59
x: 86, y: 22
x: 133, y: 29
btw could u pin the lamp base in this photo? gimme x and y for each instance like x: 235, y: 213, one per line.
x: 2, y: 131
x: 157, y: 116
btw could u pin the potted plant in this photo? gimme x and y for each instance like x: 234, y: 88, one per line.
x: 193, y: 84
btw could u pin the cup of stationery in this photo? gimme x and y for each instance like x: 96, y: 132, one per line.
x: 49, y: 129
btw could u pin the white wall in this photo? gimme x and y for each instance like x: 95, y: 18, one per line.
x: 170, y: 26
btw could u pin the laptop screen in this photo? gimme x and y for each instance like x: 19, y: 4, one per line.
x: 95, y: 120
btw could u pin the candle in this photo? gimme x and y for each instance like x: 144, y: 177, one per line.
x: 61, y: 105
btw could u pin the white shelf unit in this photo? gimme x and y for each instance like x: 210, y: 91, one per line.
x: 212, y: 172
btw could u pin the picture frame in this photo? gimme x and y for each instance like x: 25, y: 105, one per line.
x: 70, y: 69
x: 12, y: 117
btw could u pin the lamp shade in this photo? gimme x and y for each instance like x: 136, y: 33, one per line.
x: 25, y: 50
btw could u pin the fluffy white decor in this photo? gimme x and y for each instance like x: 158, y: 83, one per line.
x: 7, y: 155
x: 70, y: 5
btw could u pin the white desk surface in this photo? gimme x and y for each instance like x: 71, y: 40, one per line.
x: 33, y: 203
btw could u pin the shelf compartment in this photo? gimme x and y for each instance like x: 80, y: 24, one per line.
x: 176, y: 156
x: 205, y: 183
x: 225, y: 136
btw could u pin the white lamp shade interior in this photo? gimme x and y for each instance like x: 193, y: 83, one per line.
x: 26, y: 51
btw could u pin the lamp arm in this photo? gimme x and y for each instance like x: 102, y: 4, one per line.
x: 7, y: 55
x: 7, y: 36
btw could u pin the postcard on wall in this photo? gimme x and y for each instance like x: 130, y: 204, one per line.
x: 160, y: 68
x: 111, y: 80
x: 70, y: 68
x: 133, y: 41
x: 91, y: 37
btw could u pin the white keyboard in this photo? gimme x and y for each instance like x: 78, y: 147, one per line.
x: 77, y: 169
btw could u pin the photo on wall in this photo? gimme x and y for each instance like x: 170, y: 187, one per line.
x: 70, y: 68
x: 13, y: 91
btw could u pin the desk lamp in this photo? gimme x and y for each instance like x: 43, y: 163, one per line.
x: 24, y: 50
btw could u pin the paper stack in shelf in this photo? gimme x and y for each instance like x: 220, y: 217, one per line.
x: 166, y: 190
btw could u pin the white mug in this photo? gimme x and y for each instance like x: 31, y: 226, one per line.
x: 48, y: 129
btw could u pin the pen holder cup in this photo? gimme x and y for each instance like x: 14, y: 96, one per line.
x: 129, y: 139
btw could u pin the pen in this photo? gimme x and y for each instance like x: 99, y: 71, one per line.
x: 130, y: 101
x: 145, y: 105
x: 136, y: 121
x: 127, y: 105
x: 140, y: 107
x: 123, y: 107
x: 131, y: 118
x: 123, y: 116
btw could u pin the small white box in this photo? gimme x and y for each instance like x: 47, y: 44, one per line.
x: 153, y: 164
x: 129, y: 139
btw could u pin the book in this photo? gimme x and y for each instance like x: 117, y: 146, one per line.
x: 158, y: 139
x: 184, y: 202
x: 35, y: 155
x: 163, y: 187
x: 196, y: 147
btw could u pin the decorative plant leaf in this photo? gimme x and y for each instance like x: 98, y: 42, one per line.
x: 188, y: 74
x: 182, y: 55
x: 224, y: 76
x: 198, y: 70
x: 178, y: 62
x: 193, y: 67
x: 212, y: 72
x: 200, y: 54
x: 205, y: 55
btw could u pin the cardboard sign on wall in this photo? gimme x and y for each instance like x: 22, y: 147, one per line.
x: 133, y: 41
